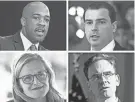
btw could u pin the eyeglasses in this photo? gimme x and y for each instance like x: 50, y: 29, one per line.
x: 97, y: 76
x: 28, y: 79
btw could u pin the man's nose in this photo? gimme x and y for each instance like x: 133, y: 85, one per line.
x: 42, y: 22
x: 103, y: 79
x: 94, y: 27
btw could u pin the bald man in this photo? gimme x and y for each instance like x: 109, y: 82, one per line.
x: 35, y: 23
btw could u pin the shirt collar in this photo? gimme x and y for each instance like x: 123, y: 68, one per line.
x: 112, y: 100
x: 108, y: 47
x: 26, y: 42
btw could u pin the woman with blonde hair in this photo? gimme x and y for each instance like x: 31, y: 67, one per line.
x: 33, y: 80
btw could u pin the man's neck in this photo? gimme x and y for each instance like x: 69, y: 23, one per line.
x: 106, y: 47
x: 111, y: 99
x: 97, y: 48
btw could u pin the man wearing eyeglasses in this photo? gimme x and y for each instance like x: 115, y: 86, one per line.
x: 100, y: 71
x: 35, y: 24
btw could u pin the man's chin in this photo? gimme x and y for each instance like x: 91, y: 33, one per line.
x: 40, y: 39
x: 95, y: 44
x: 104, y: 95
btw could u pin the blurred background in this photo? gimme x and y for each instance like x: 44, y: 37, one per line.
x: 78, y: 89
x: 7, y: 59
x: 125, y: 17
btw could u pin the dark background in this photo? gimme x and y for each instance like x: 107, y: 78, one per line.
x: 124, y: 67
x: 10, y: 14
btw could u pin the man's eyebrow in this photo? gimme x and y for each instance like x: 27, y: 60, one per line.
x: 99, y: 19
x: 88, y: 20
x: 40, y: 15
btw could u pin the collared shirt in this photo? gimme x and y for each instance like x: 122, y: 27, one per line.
x: 108, y: 47
x: 113, y: 100
x: 26, y: 42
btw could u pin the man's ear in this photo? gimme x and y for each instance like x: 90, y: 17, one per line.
x: 114, y: 26
x: 117, y: 80
x: 23, y: 21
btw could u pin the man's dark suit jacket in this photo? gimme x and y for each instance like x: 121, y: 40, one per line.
x: 14, y: 42
x: 118, y: 47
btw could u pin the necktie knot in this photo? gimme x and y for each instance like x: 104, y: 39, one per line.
x: 33, y: 48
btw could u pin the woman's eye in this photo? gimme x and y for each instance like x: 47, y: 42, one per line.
x: 42, y: 75
x: 27, y: 78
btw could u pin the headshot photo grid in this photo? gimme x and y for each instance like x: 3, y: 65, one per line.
x: 67, y: 51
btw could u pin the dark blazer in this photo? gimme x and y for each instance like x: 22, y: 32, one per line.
x: 14, y: 42
x: 118, y: 47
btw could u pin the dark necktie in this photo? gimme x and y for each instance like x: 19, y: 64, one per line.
x: 33, y: 48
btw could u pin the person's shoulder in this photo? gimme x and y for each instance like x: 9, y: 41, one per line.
x: 60, y: 99
x: 118, y: 47
x: 41, y: 48
x: 10, y: 101
x: 10, y: 37
x: 3, y: 38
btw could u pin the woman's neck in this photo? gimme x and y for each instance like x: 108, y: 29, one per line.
x: 40, y: 100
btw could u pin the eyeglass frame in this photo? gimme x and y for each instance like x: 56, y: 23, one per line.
x: 34, y: 75
x: 100, y: 75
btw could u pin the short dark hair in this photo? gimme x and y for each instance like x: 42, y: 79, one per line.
x: 111, y: 59
x: 103, y: 4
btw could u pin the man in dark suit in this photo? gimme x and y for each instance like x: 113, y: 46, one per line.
x: 35, y: 23
x: 100, y: 26
x: 103, y: 80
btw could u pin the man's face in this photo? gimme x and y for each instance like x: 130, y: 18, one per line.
x: 102, y: 79
x: 36, y: 24
x: 98, y: 27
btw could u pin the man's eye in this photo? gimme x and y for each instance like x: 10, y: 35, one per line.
x: 88, y: 22
x: 47, y: 20
x: 95, y: 77
x: 37, y: 18
x: 102, y: 22
x: 108, y: 74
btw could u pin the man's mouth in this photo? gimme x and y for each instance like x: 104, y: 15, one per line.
x: 103, y: 88
x: 94, y: 36
x: 40, y: 30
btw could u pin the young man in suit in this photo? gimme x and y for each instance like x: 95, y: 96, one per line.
x: 100, y: 26
x: 35, y: 23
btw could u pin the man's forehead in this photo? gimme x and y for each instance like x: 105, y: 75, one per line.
x: 97, y: 13
x: 101, y: 66
x: 35, y: 8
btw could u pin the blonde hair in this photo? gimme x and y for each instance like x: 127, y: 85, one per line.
x: 19, y: 96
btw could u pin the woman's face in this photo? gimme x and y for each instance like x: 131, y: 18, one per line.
x: 34, y: 79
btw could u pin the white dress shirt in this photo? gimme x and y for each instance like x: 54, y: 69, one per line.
x: 26, y: 42
x: 110, y: 100
x: 108, y: 47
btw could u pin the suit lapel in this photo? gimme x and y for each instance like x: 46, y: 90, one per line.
x: 18, y: 42
x: 40, y: 48
x: 117, y: 46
